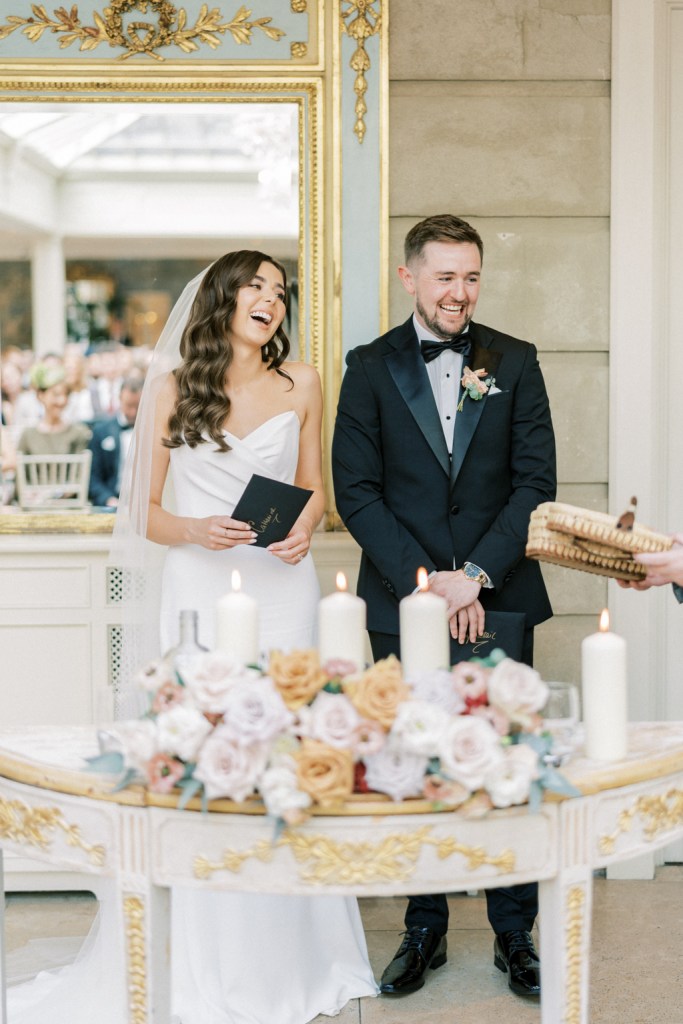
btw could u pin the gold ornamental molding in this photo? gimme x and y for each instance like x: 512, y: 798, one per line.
x: 134, y: 917
x: 165, y: 25
x: 331, y: 863
x: 576, y: 899
x: 658, y: 814
x: 361, y: 19
x: 37, y: 826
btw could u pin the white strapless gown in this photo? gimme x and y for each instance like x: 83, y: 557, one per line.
x: 237, y: 958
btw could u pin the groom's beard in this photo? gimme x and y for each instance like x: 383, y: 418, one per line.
x: 437, y: 329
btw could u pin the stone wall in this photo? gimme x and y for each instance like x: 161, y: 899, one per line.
x: 500, y: 113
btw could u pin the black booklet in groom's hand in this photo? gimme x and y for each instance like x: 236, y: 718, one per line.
x: 271, y: 508
x: 502, y: 630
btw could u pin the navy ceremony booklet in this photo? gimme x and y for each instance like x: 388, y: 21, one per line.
x: 271, y: 508
x: 503, y: 630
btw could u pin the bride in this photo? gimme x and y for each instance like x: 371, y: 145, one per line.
x: 222, y: 402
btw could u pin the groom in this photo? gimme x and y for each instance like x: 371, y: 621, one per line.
x: 426, y: 475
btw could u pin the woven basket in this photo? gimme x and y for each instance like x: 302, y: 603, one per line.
x: 580, y: 538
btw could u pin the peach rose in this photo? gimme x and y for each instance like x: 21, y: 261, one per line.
x: 297, y: 675
x: 324, y: 772
x: 379, y: 691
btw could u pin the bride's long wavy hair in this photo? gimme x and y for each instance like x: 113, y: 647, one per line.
x: 202, y: 406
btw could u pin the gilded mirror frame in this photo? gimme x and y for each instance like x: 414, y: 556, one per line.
x: 329, y: 57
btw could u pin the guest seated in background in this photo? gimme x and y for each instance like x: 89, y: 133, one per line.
x: 109, y: 445
x: 52, y: 435
x: 663, y: 567
x: 80, y: 407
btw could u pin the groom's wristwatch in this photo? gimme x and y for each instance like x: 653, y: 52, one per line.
x: 477, y: 575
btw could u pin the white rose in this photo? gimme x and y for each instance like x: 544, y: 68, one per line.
x: 333, y: 719
x: 469, y: 748
x: 255, y: 711
x: 139, y: 741
x: 227, y: 769
x: 181, y: 731
x: 518, y: 690
x: 418, y: 728
x: 154, y: 675
x: 281, y: 795
x: 508, y: 782
x: 210, y: 677
x: 438, y: 687
x: 395, y: 773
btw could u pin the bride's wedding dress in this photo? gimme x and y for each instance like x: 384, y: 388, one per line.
x: 237, y: 958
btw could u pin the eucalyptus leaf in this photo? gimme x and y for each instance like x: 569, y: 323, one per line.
x: 111, y: 762
x: 128, y: 778
x: 556, y: 782
x: 189, y: 787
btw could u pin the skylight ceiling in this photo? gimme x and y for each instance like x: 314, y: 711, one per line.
x: 239, y: 138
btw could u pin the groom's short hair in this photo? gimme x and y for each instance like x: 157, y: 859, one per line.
x: 443, y: 227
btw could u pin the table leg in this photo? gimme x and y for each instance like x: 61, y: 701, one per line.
x: 565, y: 910
x: 3, y: 972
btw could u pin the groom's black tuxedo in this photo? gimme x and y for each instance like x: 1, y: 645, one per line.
x: 409, y: 505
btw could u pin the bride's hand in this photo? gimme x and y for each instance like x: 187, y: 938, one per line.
x: 294, y: 547
x: 220, y: 532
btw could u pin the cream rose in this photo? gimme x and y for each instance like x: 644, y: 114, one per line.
x: 395, y: 772
x: 438, y: 688
x: 333, y: 720
x: 298, y: 676
x: 470, y: 681
x: 227, y: 769
x: 324, y: 772
x: 254, y: 712
x: 210, y: 677
x: 181, y: 731
x: 518, y: 691
x: 379, y: 691
x: 469, y: 748
x: 154, y: 675
x: 418, y: 728
x: 509, y: 781
x: 139, y: 741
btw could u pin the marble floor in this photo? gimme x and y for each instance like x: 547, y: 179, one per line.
x: 637, y: 959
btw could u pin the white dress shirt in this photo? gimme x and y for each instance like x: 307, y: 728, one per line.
x: 444, y: 374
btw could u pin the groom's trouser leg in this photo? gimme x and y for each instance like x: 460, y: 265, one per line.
x: 510, y: 909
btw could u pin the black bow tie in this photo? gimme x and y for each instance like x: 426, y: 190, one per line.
x: 432, y: 349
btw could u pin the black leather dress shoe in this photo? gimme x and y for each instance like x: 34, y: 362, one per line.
x: 515, y: 953
x: 421, y: 948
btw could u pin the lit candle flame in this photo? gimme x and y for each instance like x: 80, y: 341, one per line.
x: 422, y: 579
x: 341, y: 581
x: 236, y: 580
x: 604, y: 621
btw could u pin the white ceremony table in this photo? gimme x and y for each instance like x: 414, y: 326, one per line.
x: 140, y: 844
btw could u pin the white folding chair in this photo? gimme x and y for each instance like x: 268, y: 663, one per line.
x: 53, y: 481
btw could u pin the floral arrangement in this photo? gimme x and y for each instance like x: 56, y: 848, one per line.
x: 299, y: 734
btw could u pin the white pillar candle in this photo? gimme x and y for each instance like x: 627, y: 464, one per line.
x: 237, y: 624
x: 341, y: 626
x: 604, y: 693
x: 425, y: 636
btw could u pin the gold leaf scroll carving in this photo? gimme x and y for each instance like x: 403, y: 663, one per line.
x: 139, y: 38
x: 355, y: 863
x: 576, y: 899
x: 36, y: 826
x: 361, y: 19
x: 658, y: 813
x: 134, y: 916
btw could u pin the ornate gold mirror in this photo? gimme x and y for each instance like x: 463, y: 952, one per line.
x: 307, y: 75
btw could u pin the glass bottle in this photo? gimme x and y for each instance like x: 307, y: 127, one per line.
x: 188, y: 646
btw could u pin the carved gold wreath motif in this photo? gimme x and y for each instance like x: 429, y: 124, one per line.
x: 34, y: 826
x: 576, y: 899
x: 330, y: 862
x: 658, y: 814
x: 139, y: 37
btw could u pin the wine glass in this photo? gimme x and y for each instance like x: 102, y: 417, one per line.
x: 561, y: 720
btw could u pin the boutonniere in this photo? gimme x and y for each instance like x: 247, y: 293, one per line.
x: 476, y: 385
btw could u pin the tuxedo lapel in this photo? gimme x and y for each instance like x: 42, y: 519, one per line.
x: 466, y: 421
x: 407, y: 368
